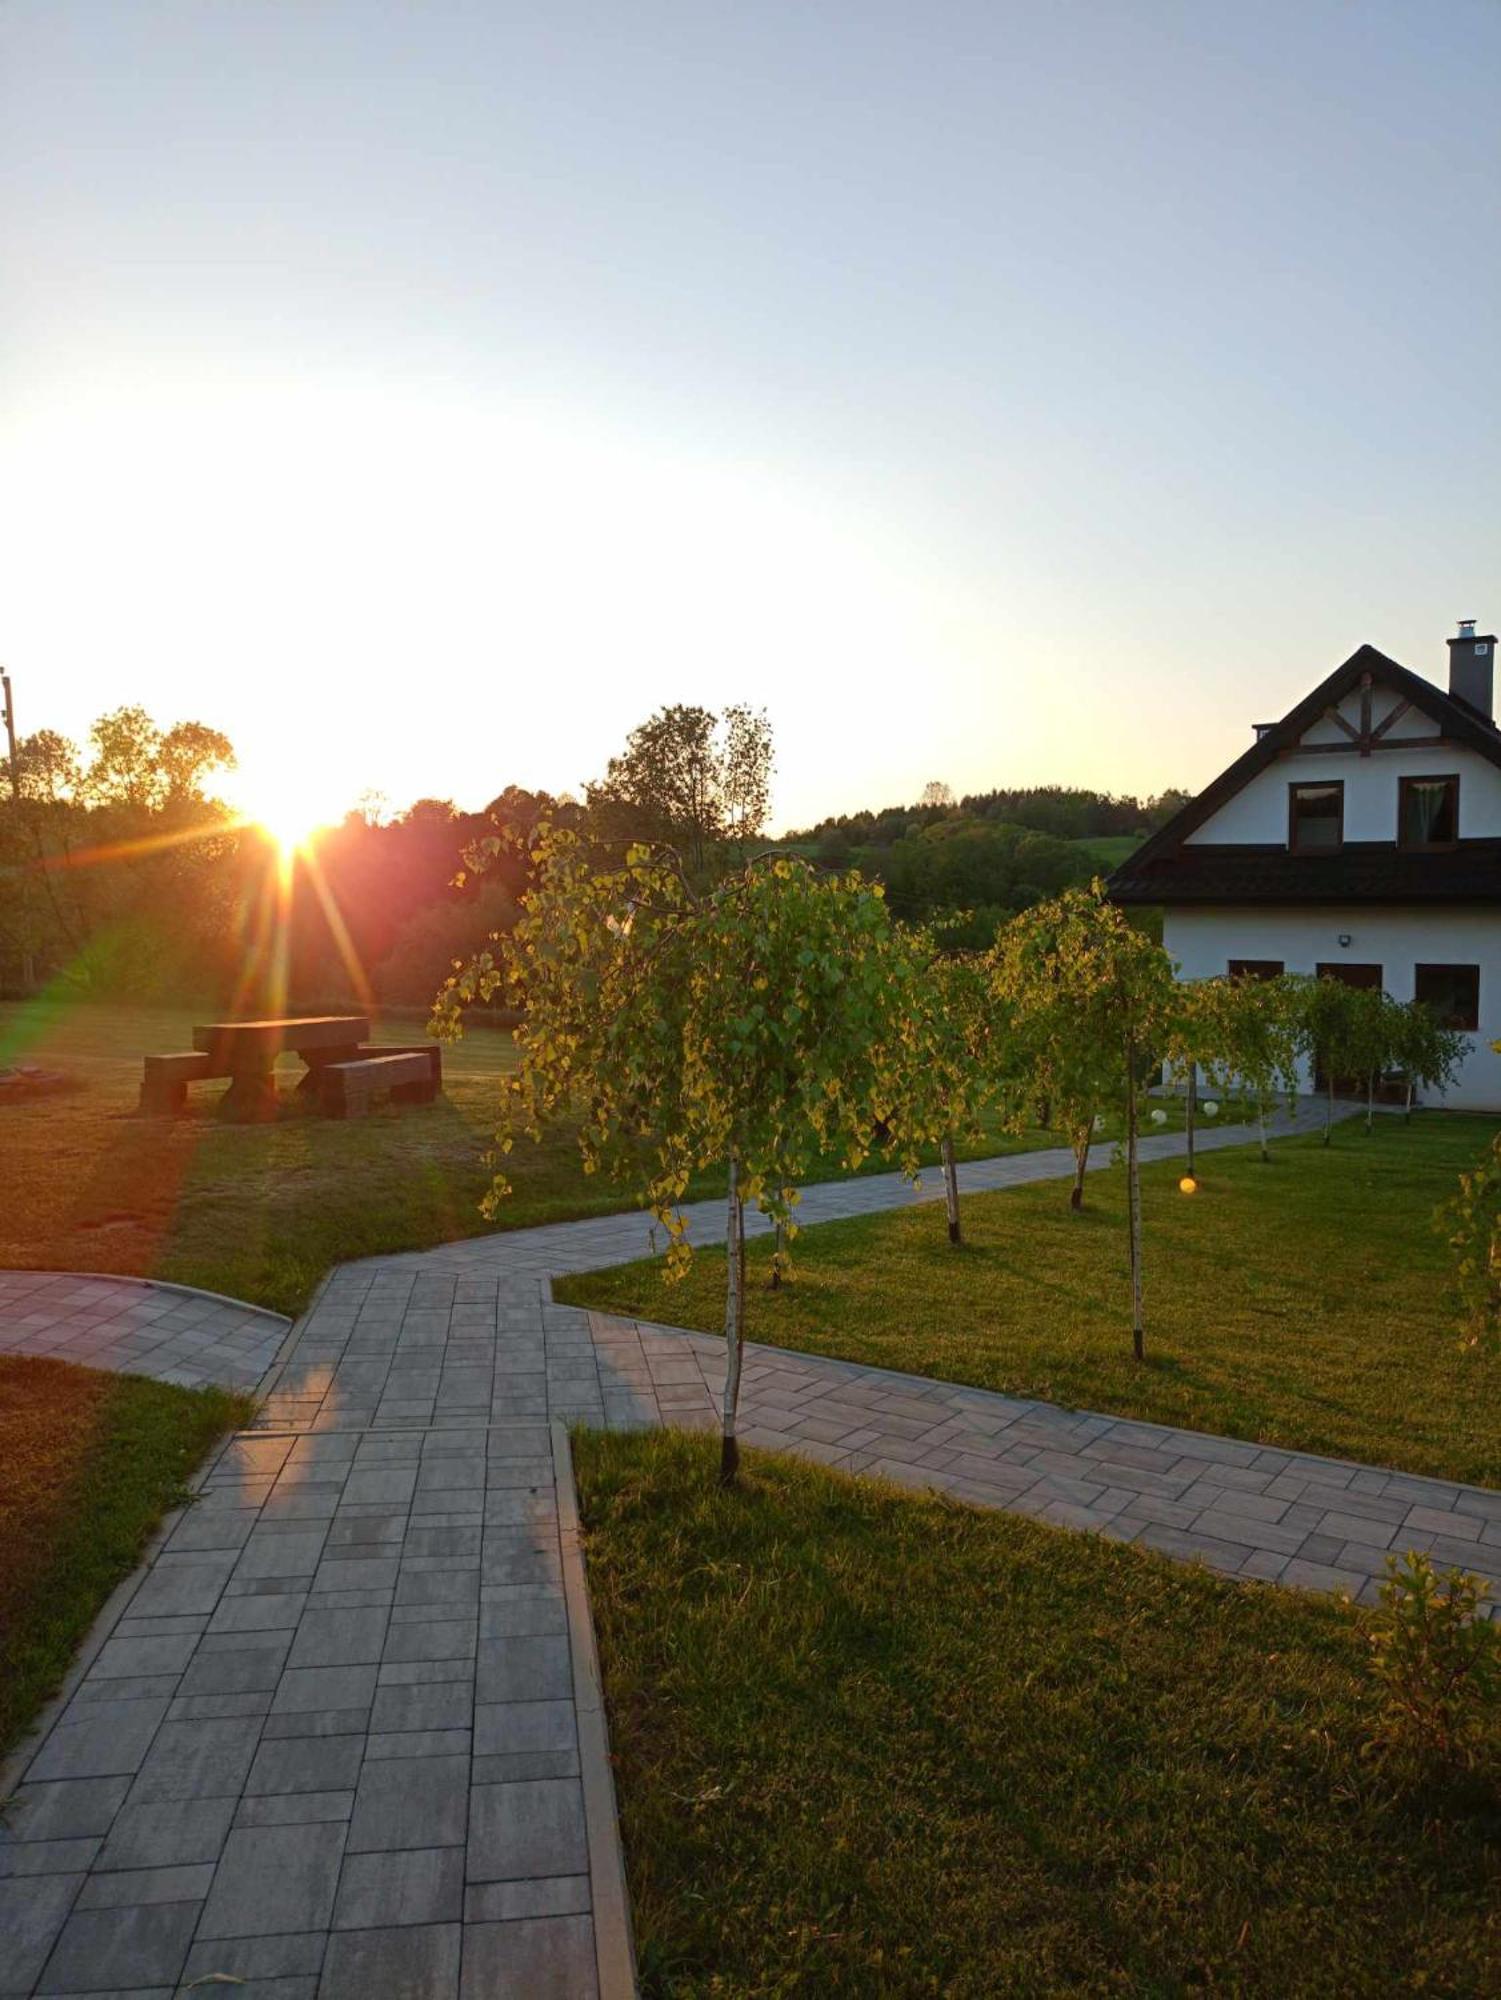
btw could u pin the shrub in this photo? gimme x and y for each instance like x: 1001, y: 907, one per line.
x: 1471, y: 1221
x: 1436, y: 1659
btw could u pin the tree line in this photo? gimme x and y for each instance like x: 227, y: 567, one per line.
x: 123, y: 875
x: 781, y: 1016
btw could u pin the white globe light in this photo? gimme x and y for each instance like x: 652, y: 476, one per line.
x: 1159, y: 1117
x: 1211, y: 1109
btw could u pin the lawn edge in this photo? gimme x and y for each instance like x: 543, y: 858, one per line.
x: 14, y: 1767
x: 614, y: 1946
x: 899, y: 1375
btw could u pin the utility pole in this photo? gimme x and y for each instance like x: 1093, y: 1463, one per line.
x: 10, y: 737
x: 28, y: 962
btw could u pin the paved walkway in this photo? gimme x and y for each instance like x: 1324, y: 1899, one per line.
x: 138, y: 1328
x: 342, y: 1736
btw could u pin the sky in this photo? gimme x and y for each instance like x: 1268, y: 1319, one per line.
x: 1000, y: 394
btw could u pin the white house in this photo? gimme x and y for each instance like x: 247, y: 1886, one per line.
x: 1358, y: 837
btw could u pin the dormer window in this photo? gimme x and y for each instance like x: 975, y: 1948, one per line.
x: 1316, y: 817
x: 1428, y: 812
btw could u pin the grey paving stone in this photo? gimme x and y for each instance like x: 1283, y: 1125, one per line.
x: 188, y: 1884
x: 504, y: 1728
x: 101, y: 1740
x: 410, y: 1804
x: 255, y: 1960
x: 183, y: 1584
x: 248, y: 1669
x: 167, y: 1835
x: 423, y: 1885
x: 306, y: 1764
x: 423, y: 1706
x: 274, y: 1879
x: 432, y: 1638
x: 48, y: 1857
x: 534, y: 1827
x: 197, y: 1760
x: 523, y: 1669
x: 64, y: 1810
x: 32, y: 1911
x: 163, y: 1654
x: 304, y: 1688
x: 339, y: 1638
x: 532, y: 1958
x: 293, y: 1808
x: 138, y: 1945
x: 536, y: 1896
x: 419, y: 1963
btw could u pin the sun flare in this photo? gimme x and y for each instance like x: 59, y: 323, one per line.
x: 289, y: 824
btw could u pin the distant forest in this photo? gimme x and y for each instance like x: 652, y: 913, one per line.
x: 987, y: 855
x: 122, y: 876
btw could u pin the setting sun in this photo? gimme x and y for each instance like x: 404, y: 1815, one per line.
x: 290, y: 824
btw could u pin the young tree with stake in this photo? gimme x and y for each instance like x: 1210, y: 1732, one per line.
x: 1255, y: 1034
x: 745, y: 1027
x: 1052, y: 1063
x: 1114, y: 989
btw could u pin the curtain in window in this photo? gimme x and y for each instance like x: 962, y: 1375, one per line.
x: 1425, y: 805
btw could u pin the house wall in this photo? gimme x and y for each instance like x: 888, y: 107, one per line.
x: 1204, y: 940
x: 1258, y: 812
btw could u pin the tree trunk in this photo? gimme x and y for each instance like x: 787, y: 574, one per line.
x: 951, y: 1187
x: 1190, y: 1109
x: 1081, y: 1167
x: 776, y: 1261
x: 1261, y: 1126
x: 1370, y: 1103
x: 734, y: 1324
x: 1133, y: 1206
x: 1329, y: 1109
x: 1407, y: 1108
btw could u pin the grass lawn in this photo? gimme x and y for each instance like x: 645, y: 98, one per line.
x: 1300, y: 1303
x: 261, y: 1212
x: 1108, y: 850
x: 89, y: 1463
x: 869, y: 1744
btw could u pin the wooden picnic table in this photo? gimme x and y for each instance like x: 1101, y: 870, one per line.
x: 246, y: 1052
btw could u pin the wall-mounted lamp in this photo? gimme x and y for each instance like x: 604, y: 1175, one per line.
x: 1344, y: 938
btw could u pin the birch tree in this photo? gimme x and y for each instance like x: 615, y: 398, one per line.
x: 952, y: 1063
x: 1109, y: 991
x: 1072, y: 1074
x: 1254, y: 1041
x: 747, y: 1028
x: 1426, y: 1051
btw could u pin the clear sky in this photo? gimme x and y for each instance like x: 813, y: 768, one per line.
x: 999, y: 393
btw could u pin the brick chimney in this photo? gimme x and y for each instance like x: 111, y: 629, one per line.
x: 1472, y: 665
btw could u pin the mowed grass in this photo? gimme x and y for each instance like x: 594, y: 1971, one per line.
x: 262, y: 1212
x: 89, y: 1463
x: 1303, y: 1303
x: 870, y: 1744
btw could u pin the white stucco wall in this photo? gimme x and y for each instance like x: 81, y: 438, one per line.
x: 1203, y: 941
x: 1258, y: 812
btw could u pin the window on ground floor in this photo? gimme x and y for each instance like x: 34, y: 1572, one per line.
x: 1452, y: 991
x: 1255, y: 968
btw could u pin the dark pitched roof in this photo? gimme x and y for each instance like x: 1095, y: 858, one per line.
x: 1167, y: 870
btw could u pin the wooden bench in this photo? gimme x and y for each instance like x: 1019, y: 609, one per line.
x: 347, y: 1089
x: 431, y: 1050
x: 164, y: 1086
